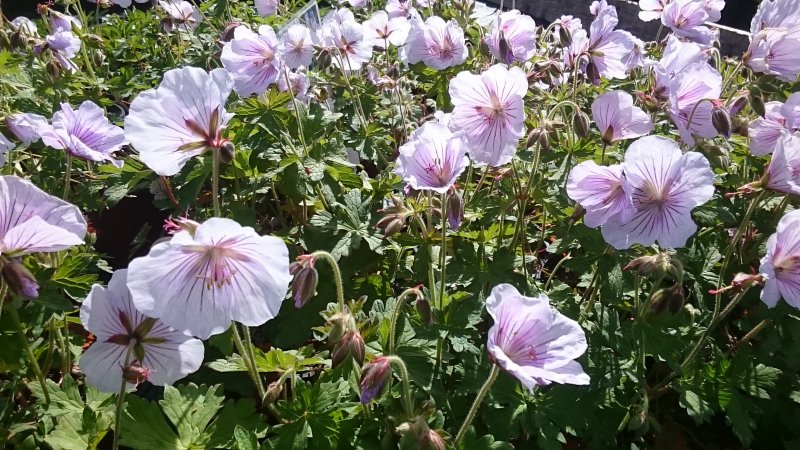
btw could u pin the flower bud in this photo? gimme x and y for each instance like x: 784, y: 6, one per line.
x: 737, y: 105
x: 304, y: 283
x: 350, y: 344
x: 374, y: 377
x: 544, y: 140
x: 646, y: 265
x: 455, y: 209
x: 227, y: 33
x: 483, y: 49
x: 564, y: 36
x: 98, y: 57
x: 431, y: 440
x: 172, y: 226
x: 533, y: 137
x: 744, y: 280
x: 323, y: 59
x: 53, y: 69
x: 592, y: 73
x: 226, y: 152
x: 274, y: 391
x: 741, y: 126
x: 424, y: 309
x: 717, y: 155
x: 340, y: 323
x: 20, y: 279
x: 135, y: 374
x: 667, y: 298
x: 721, y: 120
x: 506, y: 52
x: 756, y: 101
x: 581, y: 124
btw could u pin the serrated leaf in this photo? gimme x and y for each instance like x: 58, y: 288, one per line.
x: 190, y: 408
x: 144, y: 427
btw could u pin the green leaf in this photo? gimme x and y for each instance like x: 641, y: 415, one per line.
x: 239, y: 415
x: 79, y: 431
x: 144, y: 427
x: 190, y: 408
x: 245, y: 440
x: 740, y: 419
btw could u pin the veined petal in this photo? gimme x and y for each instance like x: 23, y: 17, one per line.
x: 20, y: 200
x: 36, y: 235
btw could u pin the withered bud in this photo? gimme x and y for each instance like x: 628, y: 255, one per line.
x: 741, y: 126
x: 98, y: 57
x: 581, y: 124
x: 564, y: 36
x: 393, y: 72
x: 226, y: 152
x: 53, y: 69
x: 351, y: 344
x: 717, y: 155
x: 670, y: 298
x: 431, y: 440
x: 745, y: 280
x: 135, y: 374
x: 721, y: 120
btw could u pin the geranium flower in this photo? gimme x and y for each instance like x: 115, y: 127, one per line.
x: 34, y: 221
x: 180, y: 118
x: 123, y: 333
x: 25, y: 26
x: 604, y: 47
x: 85, y: 133
x: 636, y: 58
x: 677, y: 56
x: 513, y: 38
x: 784, y: 168
x: 432, y: 159
x: 781, y: 264
x: 617, y: 117
x: 380, y: 30
x: 488, y: 109
x: 62, y: 22
x: 436, y: 43
x: 27, y: 127
x: 65, y: 46
x: 297, y: 46
x: 764, y: 132
x: 5, y: 146
x: 400, y: 8
x: 689, y: 94
x: 686, y: 18
x: 299, y: 83
x: 602, y: 191
x: 182, y: 14
x: 252, y: 59
x: 201, y: 281
x: 266, y: 8
x: 775, y: 39
x: 351, y: 50
x: 533, y: 341
x: 651, y: 9
x: 666, y: 184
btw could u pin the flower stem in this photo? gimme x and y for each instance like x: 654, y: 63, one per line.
x: 337, y: 274
x: 443, y: 252
x: 121, y: 399
x: 67, y: 176
x: 237, y: 341
x: 398, y: 306
x: 251, y: 354
x: 12, y: 312
x: 476, y: 404
x: 215, y: 182
x: 747, y: 337
x: 408, y: 402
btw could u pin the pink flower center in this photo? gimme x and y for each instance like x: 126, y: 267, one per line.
x: 215, y: 267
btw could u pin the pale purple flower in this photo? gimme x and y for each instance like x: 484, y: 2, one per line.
x: 432, y: 159
x: 690, y: 92
x: 34, y: 221
x: 781, y: 264
x: 266, y: 8
x: 617, y: 117
x: 180, y: 118
x: 686, y: 18
x: 65, y: 46
x: 518, y: 31
x: 252, y: 59
x: 714, y: 9
x: 25, y: 26
x: 122, y: 3
x: 5, y: 146
x: 636, y: 58
x: 339, y: 16
x: 602, y: 191
x: 764, y: 132
x: 666, y: 184
x: 380, y: 30
x: 63, y: 22
x: 784, y: 169
x: 605, y: 48
x: 297, y: 46
x: 791, y: 111
x: 570, y: 23
x: 532, y: 341
x: 85, y: 133
x: 201, y: 281
x: 651, y: 9
x: 775, y: 39
x: 299, y: 84
x: 183, y: 15
x: 400, y: 8
x: 677, y: 56
x: 27, y: 127
x: 350, y: 50
x: 488, y: 110
x: 436, y: 43
x: 357, y: 4
x: 125, y: 334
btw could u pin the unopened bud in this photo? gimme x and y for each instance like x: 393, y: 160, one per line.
x: 135, y: 374
x: 304, y: 283
x: 393, y: 72
x: 226, y: 152
x: 20, y: 279
x: 581, y: 124
x: 323, y: 59
x: 424, y: 309
x: 53, y: 69
x: 374, y: 378
x: 340, y: 323
x: 455, y: 209
x: 592, y: 73
x: 721, y: 120
x: 483, y: 49
x: 431, y: 440
x: 717, y: 155
x: 98, y: 57
x: 737, y: 105
x: 670, y: 298
x: 506, y: 52
x: 544, y: 140
x: 756, y: 101
x: 227, y: 33
x: 274, y: 391
x: 564, y: 36
x: 741, y: 126
x: 351, y: 344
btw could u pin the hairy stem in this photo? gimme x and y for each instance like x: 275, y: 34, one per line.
x: 337, y: 274
x: 473, y: 410
x: 398, y: 307
x: 121, y: 399
x: 12, y: 312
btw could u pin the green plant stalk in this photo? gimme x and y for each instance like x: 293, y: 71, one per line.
x: 337, y: 274
x: 749, y: 336
x: 473, y: 410
x: 12, y: 312
x: 251, y: 354
x: 443, y: 252
x: 729, y: 80
x: 431, y: 278
x: 121, y: 399
x: 408, y: 401
x: 237, y: 341
x: 215, y: 163
x: 67, y: 176
x: 555, y: 269
x: 398, y: 307
x: 296, y: 105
